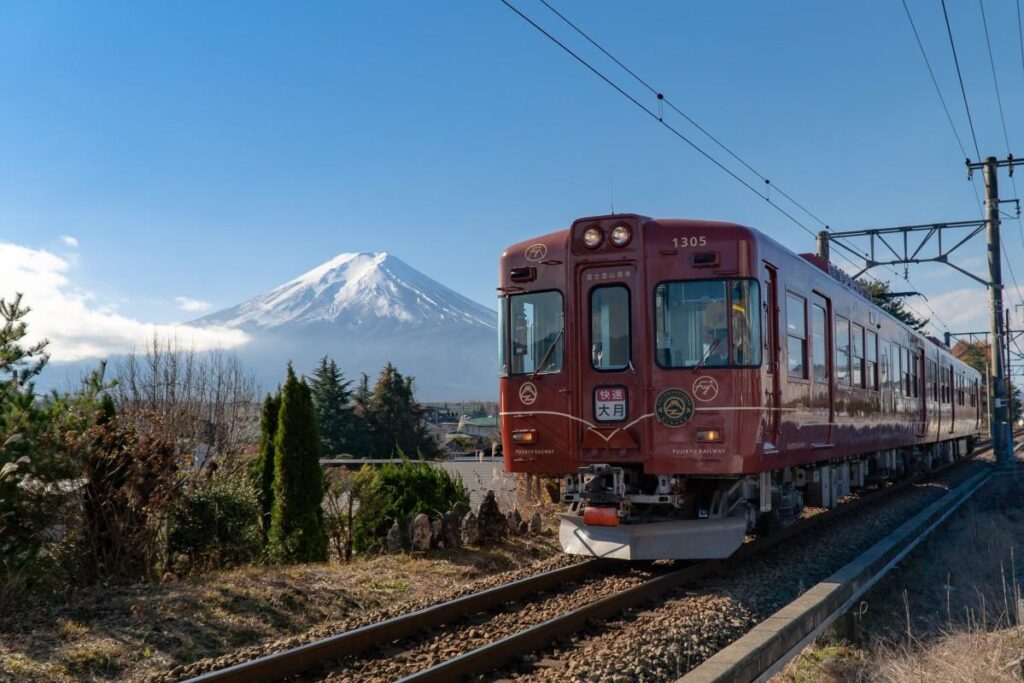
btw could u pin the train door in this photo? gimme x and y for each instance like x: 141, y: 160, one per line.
x: 821, y: 375
x: 772, y: 388
x: 611, y: 396
x: 921, y: 390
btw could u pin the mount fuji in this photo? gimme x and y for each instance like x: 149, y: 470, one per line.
x: 363, y: 310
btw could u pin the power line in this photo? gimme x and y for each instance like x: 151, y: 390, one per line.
x: 656, y: 117
x: 935, y: 82
x: 662, y: 98
x: 959, y: 75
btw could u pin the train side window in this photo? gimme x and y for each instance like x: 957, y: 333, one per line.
x: 896, y: 358
x: 857, y: 337
x: 871, y: 357
x: 818, y: 360
x: 796, y: 335
x: 609, y: 328
x: 914, y: 373
x: 842, y: 350
x: 883, y: 364
x: 907, y: 391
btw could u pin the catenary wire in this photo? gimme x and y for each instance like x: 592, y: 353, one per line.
x: 677, y: 132
x: 662, y: 97
x: 963, y: 91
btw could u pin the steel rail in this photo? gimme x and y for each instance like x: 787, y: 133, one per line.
x: 299, y: 659
x: 487, y: 658
x: 499, y: 653
x: 766, y: 648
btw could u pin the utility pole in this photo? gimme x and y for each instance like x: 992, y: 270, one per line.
x: 1000, y: 428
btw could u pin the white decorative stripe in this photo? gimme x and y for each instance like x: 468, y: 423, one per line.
x: 590, y: 427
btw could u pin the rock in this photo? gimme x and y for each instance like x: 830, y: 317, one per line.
x: 394, y: 539
x: 460, y: 509
x: 419, y: 532
x: 451, y: 529
x: 536, y: 523
x: 436, y: 535
x: 514, y: 518
x: 493, y: 525
x: 470, y: 529
x: 523, y: 528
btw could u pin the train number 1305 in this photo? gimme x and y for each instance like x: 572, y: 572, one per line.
x: 684, y: 242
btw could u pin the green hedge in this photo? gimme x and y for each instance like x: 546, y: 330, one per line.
x: 399, y: 492
x: 215, y: 523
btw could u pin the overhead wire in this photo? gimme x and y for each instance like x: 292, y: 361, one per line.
x: 660, y: 119
x: 963, y: 90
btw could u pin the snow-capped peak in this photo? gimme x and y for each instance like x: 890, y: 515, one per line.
x: 354, y: 290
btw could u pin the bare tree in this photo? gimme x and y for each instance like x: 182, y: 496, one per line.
x: 206, y: 402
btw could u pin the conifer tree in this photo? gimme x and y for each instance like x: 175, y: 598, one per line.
x: 296, y: 526
x: 331, y: 398
x: 397, y: 418
x: 881, y: 295
x: 263, y: 465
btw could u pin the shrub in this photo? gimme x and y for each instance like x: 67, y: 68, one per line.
x: 398, y: 492
x: 215, y: 523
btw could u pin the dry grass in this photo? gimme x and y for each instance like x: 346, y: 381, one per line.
x: 952, y: 612
x: 132, y: 632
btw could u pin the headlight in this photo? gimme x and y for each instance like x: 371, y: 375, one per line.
x: 592, y: 238
x: 620, y: 235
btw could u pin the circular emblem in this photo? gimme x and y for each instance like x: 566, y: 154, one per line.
x: 674, y: 407
x: 528, y: 393
x: 705, y: 388
x: 535, y: 252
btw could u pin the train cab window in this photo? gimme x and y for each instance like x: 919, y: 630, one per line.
x: 745, y: 304
x: 537, y: 331
x: 710, y: 323
x: 818, y: 343
x: 503, y: 334
x: 842, y: 350
x: 857, y: 339
x: 871, y: 360
x: 796, y: 335
x: 609, y: 328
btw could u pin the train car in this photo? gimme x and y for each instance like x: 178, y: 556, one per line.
x: 692, y: 381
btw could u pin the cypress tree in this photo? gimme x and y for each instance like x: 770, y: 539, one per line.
x: 263, y: 465
x: 331, y: 397
x: 296, y: 525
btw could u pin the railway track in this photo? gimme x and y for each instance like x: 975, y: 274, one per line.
x: 481, y: 633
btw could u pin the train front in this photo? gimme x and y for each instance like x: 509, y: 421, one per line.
x: 622, y: 342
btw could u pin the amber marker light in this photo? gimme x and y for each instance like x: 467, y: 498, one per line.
x: 709, y: 436
x: 524, y: 436
x: 592, y: 238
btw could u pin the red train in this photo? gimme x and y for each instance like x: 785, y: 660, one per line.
x: 691, y: 381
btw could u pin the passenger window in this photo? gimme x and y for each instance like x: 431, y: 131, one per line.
x: 871, y: 357
x: 857, y: 338
x: 842, y: 350
x: 818, y: 337
x: 796, y: 334
x: 609, y: 328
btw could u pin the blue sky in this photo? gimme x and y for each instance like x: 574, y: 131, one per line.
x: 209, y: 151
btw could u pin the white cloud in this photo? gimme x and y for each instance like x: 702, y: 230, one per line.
x: 76, y: 325
x: 69, y: 241
x: 967, y: 309
x: 192, y: 305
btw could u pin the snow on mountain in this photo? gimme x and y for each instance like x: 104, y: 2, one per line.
x: 363, y: 310
x: 352, y: 289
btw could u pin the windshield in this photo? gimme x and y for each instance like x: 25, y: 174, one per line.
x: 536, y: 326
x: 609, y: 328
x: 711, y: 323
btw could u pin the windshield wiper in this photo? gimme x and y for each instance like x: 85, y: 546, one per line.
x: 547, y: 354
x: 707, y: 354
